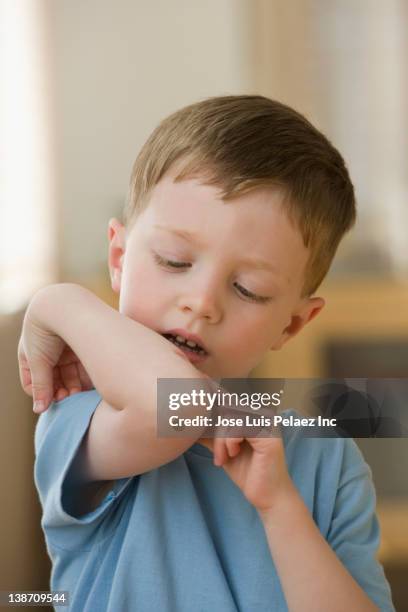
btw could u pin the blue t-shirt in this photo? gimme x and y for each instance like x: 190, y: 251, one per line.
x: 183, y: 537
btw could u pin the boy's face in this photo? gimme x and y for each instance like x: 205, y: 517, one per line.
x: 229, y: 273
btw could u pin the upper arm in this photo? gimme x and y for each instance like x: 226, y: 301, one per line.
x: 117, y: 446
x: 124, y: 443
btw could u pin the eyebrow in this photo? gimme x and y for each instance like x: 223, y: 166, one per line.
x: 193, y: 237
x: 190, y: 236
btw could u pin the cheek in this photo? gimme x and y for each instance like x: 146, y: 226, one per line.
x: 257, y: 332
x: 140, y: 294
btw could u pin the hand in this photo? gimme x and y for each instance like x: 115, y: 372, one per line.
x: 49, y: 370
x: 256, y: 465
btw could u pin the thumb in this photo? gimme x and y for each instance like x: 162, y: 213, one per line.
x: 42, y: 386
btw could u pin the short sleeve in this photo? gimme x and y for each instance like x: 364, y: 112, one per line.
x: 58, y: 436
x: 354, y: 533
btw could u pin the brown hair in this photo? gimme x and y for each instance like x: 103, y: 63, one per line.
x: 239, y: 143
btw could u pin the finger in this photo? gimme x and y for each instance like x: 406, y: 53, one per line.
x: 220, y: 451
x: 266, y: 446
x: 42, y: 385
x: 67, y: 356
x: 70, y: 358
x: 24, y: 371
x: 25, y: 379
x: 73, y: 374
x: 70, y: 378
x: 56, y: 378
x: 233, y: 446
x: 61, y: 394
x: 59, y: 390
x: 86, y: 382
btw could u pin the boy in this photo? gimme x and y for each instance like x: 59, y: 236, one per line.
x: 235, y: 210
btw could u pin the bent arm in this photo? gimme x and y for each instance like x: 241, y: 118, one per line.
x: 124, y: 359
x: 117, y: 352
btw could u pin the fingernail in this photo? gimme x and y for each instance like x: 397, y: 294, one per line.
x: 39, y: 406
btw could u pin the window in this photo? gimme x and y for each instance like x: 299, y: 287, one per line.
x: 27, y: 183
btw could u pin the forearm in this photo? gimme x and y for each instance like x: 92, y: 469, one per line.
x: 122, y: 357
x: 312, y: 577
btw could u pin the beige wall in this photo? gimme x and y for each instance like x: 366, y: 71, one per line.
x: 119, y: 69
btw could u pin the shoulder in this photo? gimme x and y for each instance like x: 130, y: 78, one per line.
x: 311, y: 445
x: 320, y: 466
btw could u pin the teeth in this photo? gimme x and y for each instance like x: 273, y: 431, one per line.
x: 189, y: 343
x: 179, y: 340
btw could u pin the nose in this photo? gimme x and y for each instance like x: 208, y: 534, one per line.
x: 202, y: 301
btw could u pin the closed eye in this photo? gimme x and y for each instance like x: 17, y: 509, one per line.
x: 180, y: 265
x: 252, y: 296
x: 169, y: 263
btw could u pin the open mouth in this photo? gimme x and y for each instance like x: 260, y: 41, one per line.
x: 184, y: 344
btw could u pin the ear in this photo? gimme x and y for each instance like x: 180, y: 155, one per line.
x: 117, y: 246
x: 308, y: 309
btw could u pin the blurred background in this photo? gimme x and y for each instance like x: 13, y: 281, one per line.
x: 84, y: 82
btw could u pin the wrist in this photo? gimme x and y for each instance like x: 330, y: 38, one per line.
x: 52, y: 302
x: 284, y: 502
